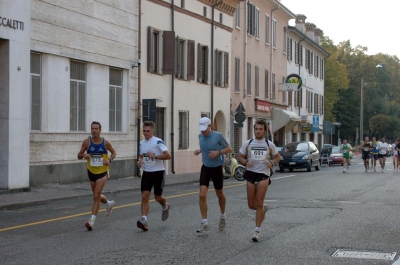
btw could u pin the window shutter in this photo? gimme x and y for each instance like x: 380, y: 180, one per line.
x: 226, y: 68
x: 199, y: 63
x: 190, y: 65
x: 237, y: 73
x: 217, y: 72
x: 168, y: 52
x: 178, y: 57
x: 206, y: 66
x: 150, y: 66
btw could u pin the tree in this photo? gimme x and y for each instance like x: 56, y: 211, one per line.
x: 379, y: 125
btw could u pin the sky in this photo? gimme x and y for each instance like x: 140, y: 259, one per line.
x: 370, y: 23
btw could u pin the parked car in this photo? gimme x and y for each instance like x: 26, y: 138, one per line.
x: 299, y: 155
x: 336, y: 157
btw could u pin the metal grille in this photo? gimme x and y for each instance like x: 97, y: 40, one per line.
x: 183, y: 129
x: 78, y: 71
x: 35, y: 91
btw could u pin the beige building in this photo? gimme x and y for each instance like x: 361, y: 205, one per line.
x: 179, y: 95
x: 259, y: 67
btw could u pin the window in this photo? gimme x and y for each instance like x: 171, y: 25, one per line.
x: 307, y: 59
x: 237, y: 15
x: 266, y: 29
x: 274, y: 33
x: 285, y: 42
x: 311, y: 63
x: 185, y: 59
x: 36, y: 104
x: 273, y: 96
x: 221, y: 68
x: 322, y: 105
x: 300, y: 98
x: 296, y: 50
x: 266, y: 83
x: 253, y: 20
x: 316, y: 65
x: 183, y: 129
x: 160, y: 51
x: 294, y: 137
x: 77, y: 96
x: 302, y: 137
x: 257, y: 82
x: 202, y: 63
x: 115, y: 100
x: 290, y: 98
x: 205, y: 11
x: 248, y: 78
x: 237, y: 75
x: 221, y: 18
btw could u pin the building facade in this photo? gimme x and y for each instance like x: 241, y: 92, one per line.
x: 197, y: 84
x: 63, y: 65
x: 259, y: 67
x: 306, y: 58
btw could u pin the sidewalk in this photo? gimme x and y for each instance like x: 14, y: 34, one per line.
x: 50, y: 192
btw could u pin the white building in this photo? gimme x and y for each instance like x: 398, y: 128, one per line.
x: 63, y: 65
x: 306, y: 58
x: 183, y: 93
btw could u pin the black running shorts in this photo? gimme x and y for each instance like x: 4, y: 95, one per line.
x: 254, y: 177
x: 365, y: 155
x: 381, y: 156
x: 94, y: 177
x: 156, y: 179
x: 214, y: 173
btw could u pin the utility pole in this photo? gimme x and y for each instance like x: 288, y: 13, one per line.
x: 362, y: 111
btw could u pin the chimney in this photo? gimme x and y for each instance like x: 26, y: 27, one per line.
x: 301, y: 22
x: 317, y: 36
x: 310, y: 29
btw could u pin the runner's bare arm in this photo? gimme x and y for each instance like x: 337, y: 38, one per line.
x: 84, y: 147
x: 111, y: 149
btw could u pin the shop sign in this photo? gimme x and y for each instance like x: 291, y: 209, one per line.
x: 11, y: 23
x: 263, y: 106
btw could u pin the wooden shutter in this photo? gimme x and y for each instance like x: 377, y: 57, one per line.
x: 217, y: 68
x: 178, y: 57
x: 168, y: 52
x: 207, y: 64
x: 226, y: 68
x: 237, y: 73
x: 150, y: 65
x: 190, y: 60
x: 199, y: 63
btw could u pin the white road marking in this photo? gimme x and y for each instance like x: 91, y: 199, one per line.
x: 283, y: 177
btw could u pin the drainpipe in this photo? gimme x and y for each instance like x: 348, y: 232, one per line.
x: 272, y: 49
x: 139, y: 86
x: 212, y: 60
x: 245, y: 55
x: 172, y: 99
x: 271, y: 59
x: 298, y: 60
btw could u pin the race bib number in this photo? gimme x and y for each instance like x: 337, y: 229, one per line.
x: 96, y: 160
x: 149, y: 162
x: 258, y: 153
x: 345, y: 151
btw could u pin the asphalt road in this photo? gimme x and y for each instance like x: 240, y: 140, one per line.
x: 311, y: 216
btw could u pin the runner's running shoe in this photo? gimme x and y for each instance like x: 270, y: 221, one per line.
x: 256, y: 236
x: 203, y: 227
x: 110, y: 205
x: 165, y: 213
x: 142, y: 224
x: 89, y: 225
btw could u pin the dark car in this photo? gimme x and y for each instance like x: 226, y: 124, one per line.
x: 298, y: 155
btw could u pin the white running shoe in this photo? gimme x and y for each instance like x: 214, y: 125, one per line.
x: 203, y: 227
x: 256, y: 236
x: 142, y: 224
x: 110, y: 205
x: 89, y: 225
